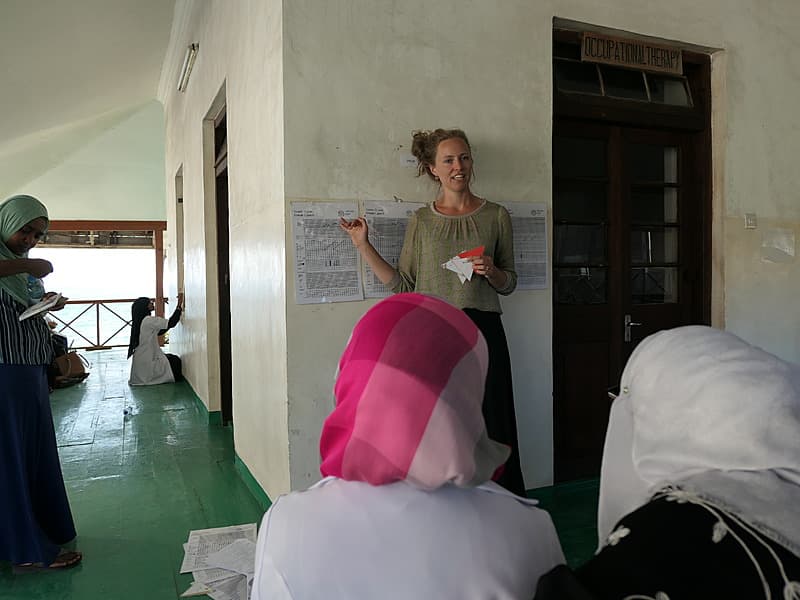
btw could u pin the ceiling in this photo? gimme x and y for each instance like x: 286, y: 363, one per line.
x: 64, y: 63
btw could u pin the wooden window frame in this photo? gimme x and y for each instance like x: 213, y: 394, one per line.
x: 157, y: 227
x: 645, y: 114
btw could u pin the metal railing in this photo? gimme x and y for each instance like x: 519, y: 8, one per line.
x: 68, y: 325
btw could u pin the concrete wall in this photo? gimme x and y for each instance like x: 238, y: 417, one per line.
x: 240, y: 50
x: 360, y: 75
x: 322, y: 98
x: 385, y: 70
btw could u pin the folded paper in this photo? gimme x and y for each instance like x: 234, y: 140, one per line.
x: 461, y: 264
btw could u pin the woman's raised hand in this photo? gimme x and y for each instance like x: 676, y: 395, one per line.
x: 38, y: 267
x: 357, y: 229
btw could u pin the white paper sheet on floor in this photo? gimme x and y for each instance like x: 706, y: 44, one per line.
x: 221, y: 561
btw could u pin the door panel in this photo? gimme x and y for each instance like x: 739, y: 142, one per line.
x: 627, y: 224
x: 655, y: 205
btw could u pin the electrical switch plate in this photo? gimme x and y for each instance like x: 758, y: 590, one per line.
x: 750, y: 221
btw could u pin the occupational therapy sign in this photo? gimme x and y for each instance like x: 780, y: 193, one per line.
x: 625, y: 52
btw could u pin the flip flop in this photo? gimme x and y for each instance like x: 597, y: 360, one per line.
x: 66, y: 559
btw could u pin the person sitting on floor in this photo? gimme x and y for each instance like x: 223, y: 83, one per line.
x: 407, y: 508
x: 150, y: 364
x: 700, y: 481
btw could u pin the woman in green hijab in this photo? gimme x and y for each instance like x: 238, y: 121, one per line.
x: 35, y: 518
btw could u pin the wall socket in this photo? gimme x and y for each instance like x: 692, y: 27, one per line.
x: 750, y: 221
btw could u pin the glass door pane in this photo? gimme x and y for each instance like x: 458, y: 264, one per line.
x: 654, y: 226
x: 656, y: 205
x: 580, y: 211
x: 652, y: 163
x: 654, y: 245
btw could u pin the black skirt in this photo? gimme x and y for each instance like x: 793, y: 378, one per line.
x: 498, y: 397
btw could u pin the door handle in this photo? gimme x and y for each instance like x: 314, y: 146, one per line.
x: 628, y: 324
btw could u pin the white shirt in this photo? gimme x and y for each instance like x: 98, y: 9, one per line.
x: 350, y: 540
x: 150, y: 365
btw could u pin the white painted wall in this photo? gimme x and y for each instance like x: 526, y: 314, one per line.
x: 360, y: 75
x: 241, y: 49
x: 322, y: 98
x: 110, y: 167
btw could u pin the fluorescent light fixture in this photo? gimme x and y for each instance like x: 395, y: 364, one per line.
x: 186, y: 69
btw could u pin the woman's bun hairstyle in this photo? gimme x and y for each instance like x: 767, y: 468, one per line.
x: 425, y: 142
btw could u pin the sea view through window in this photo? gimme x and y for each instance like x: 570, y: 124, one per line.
x: 98, y: 274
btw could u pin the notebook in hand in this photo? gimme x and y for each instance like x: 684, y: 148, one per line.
x: 40, y: 307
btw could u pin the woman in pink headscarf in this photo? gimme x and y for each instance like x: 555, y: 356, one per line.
x: 407, y: 508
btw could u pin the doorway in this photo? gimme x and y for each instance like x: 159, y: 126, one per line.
x: 217, y: 249
x: 631, y: 228
x: 223, y: 265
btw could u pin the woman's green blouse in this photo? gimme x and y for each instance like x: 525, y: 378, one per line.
x: 433, y: 238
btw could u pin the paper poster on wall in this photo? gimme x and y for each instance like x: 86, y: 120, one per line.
x: 529, y: 224
x: 387, y: 228
x: 327, y: 265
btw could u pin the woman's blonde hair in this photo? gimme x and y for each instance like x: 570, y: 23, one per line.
x: 425, y: 142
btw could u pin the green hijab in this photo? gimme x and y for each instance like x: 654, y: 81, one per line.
x: 15, y: 213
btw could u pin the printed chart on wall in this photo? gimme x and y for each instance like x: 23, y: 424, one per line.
x: 327, y: 266
x: 529, y: 224
x: 387, y: 228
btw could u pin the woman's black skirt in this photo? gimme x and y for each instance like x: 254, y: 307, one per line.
x: 498, y: 398
x: 175, y: 366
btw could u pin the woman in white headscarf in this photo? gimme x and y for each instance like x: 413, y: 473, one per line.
x: 700, y: 483
x: 35, y: 518
x: 407, y: 508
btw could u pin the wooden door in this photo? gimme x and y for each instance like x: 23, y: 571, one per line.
x: 627, y: 262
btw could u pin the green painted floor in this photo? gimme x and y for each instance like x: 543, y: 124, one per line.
x: 573, y: 508
x: 143, y: 467
x: 138, y: 483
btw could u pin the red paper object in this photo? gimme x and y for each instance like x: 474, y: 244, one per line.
x: 474, y: 252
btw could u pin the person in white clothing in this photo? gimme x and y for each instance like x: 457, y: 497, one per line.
x: 700, y: 481
x: 407, y: 507
x: 150, y: 365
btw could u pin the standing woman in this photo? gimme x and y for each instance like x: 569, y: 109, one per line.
x: 458, y: 220
x: 35, y: 518
x: 150, y: 364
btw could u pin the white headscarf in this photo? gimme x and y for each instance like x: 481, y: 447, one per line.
x: 705, y: 410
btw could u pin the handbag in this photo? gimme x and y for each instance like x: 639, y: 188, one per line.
x: 71, y: 367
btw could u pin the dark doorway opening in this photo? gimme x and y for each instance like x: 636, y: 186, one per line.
x: 223, y: 265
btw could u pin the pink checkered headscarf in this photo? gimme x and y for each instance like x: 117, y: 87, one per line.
x: 408, y: 399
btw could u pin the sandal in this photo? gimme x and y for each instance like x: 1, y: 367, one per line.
x: 66, y: 559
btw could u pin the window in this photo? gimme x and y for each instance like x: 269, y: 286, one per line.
x: 573, y: 76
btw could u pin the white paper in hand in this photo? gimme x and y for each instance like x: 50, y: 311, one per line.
x: 40, y: 307
x: 461, y: 267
